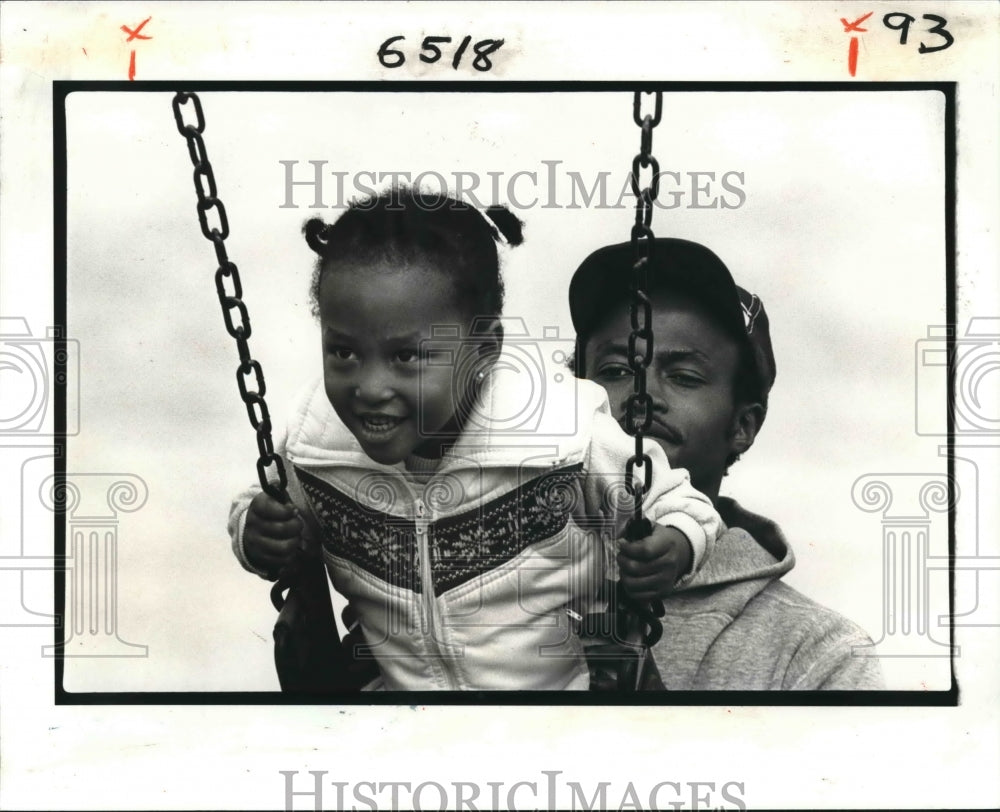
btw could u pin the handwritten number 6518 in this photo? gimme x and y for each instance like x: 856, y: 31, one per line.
x: 431, y: 53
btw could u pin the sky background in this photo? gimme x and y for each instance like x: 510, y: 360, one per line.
x: 841, y: 234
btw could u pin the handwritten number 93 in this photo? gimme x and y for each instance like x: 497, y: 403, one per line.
x: 900, y: 21
x: 430, y: 52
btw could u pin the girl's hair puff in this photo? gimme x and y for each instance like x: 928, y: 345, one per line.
x: 403, y: 225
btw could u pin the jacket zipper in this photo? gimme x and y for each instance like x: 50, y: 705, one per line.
x: 431, y: 616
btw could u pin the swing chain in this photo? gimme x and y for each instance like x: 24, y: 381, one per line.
x: 639, y: 406
x: 249, y: 374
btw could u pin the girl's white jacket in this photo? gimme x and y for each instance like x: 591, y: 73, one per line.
x: 470, y: 580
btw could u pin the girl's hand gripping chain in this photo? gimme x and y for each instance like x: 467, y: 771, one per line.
x: 273, y: 535
x: 650, y: 567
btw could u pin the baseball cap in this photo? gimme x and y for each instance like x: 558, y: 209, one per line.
x: 603, y: 280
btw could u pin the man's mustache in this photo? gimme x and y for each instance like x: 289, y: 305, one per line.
x: 658, y: 428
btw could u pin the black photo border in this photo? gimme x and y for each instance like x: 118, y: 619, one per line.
x: 61, y: 89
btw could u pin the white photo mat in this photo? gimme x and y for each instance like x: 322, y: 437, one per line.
x: 841, y: 227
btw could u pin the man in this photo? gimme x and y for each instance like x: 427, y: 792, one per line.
x: 737, y: 626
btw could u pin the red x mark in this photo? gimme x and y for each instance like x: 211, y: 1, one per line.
x: 852, y: 51
x: 131, y: 36
x: 855, y: 26
x: 136, y: 35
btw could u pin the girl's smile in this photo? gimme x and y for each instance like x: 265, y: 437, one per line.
x: 378, y: 428
x: 375, y: 320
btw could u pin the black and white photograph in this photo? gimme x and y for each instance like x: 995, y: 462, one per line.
x: 367, y: 421
x: 793, y: 281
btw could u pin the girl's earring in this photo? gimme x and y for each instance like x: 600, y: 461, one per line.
x: 477, y: 381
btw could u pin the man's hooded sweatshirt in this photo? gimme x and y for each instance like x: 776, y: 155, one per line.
x: 739, y: 627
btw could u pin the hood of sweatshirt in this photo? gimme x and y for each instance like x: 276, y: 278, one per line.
x: 750, y: 552
x: 740, y: 627
x: 711, y: 633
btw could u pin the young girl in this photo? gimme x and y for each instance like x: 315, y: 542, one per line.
x: 463, y: 547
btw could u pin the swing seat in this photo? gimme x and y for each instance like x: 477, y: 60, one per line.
x: 308, y: 654
x: 614, y: 642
